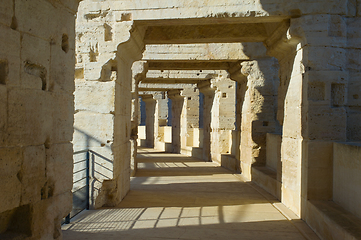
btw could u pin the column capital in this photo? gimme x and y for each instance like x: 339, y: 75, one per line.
x: 147, y: 97
x: 175, y: 94
x: 206, y: 87
x: 236, y: 74
x: 139, y: 70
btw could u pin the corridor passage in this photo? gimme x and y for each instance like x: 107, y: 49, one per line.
x: 179, y: 197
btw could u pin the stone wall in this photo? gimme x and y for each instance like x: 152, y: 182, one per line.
x: 36, y: 117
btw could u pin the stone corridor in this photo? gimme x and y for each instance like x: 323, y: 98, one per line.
x: 174, y: 196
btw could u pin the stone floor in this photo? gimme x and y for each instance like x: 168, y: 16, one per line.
x: 179, y: 197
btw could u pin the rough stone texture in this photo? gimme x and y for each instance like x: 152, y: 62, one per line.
x: 208, y: 89
x: 104, y: 122
x: 178, y: 110
x: 346, y: 168
x: 36, y: 117
x: 316, y: 44
x: 258, y: 110
x: 151, y: 124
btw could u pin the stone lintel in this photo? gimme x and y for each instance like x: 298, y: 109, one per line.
x: 213, y: 33
x: 189, y: 65
x: 174, y: 80
x: 163, y: 86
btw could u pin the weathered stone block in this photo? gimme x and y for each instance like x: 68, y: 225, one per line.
x: 62, y: 112
x: 316, y: 91
x: 338, y: 94
x: 61, y: 70
x: 327, y: 123
x: 122, y: 129
x: 346, y: 170
x: 92, y: 71
x: 93, y: 129
x: 73, y: 5
x: 3, y: 114
x: 123, y: 100
x: 353, y: 90
x: 273, y: 151
x: 95, y: 96
x: 35, y: 62
x: 33, y: 176
x: 318, y: 169
x: 63, y: 36
x: 10, y: 171
x: 334, y: 58
x: 59, y: 168
x: 30, y: 117
x: 354, y: 59
x: 6, y: 13
x: 10, y: 56
x: 38, y: 22
x: 319, y: 154
x: 47, y: 215
x: 353, y: 33
x: 353, y: 125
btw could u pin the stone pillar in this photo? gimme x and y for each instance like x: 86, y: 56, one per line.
x: 139, y: 70
x: 312, y: 101
x: 151, y: 120
x: 191, y: 119
x: 208, y: 89
x: 177, y: 111
x: 223, y: 117
x: 235, y: 73
x: 103, y: 101
x: 259, y: 109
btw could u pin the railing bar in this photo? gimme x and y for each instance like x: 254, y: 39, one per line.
x: 87, y: 179
x: 80, y: 170
x: 101, y: 174
x: 78, y: 152
x: 104, y: 158
x: 79, y: 189
x: 79, y: 180
x: 104, y: 167
x: 80, y: 161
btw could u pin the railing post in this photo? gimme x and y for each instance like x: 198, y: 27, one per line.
x: 87, y: 178
x: 67, y: 219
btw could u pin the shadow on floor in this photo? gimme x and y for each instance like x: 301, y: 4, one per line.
x: 181, y: 228
x: 178, y: 197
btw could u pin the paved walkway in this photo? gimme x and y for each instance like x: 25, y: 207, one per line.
x: 178, y: 197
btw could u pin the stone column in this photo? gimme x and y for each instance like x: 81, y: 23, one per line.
x: 151, y: 120
x: 103, y: 102
x: 259, y: 108
x: 208, y: 89
x: 177, y: 111
x: 235, y: 73
x: 223, y: 117
x: 191, y: 119
x: 139, y: 70
x: 312, y: 101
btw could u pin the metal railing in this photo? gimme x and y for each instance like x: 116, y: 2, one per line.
x: 89, y: 169
x: 81, y: 184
